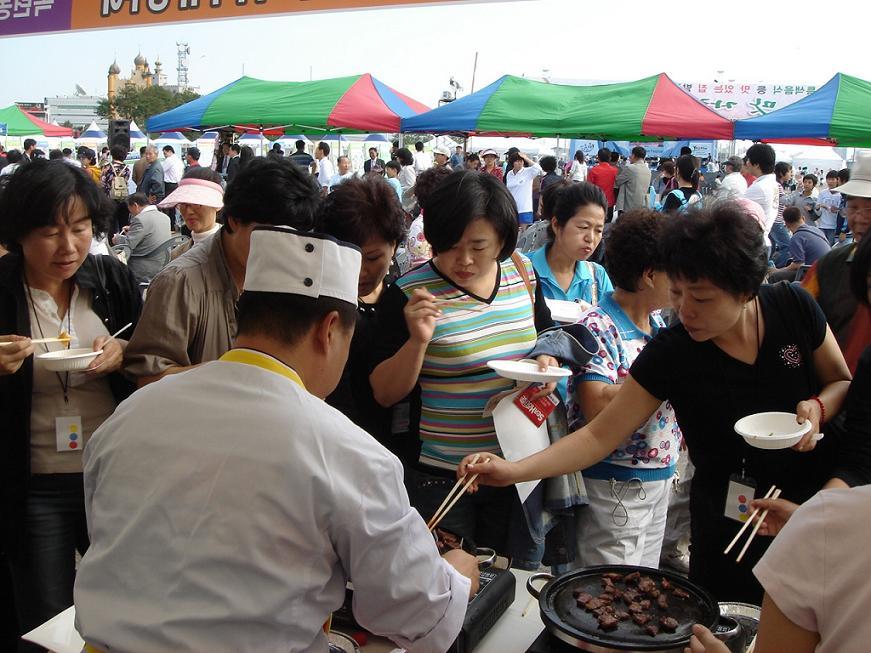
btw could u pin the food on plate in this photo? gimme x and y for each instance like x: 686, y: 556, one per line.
x: 640, y: 618
x: 632, y: 578
x: 635, y: 608
x: 608, y: 622
x: 679, y: 593
x: 612, y: 576
x: 447, y: 541
x: 662, y: 602
x: 665, y: 584
x: 646, y: 584
x: 652, y: 630
x: 582, y: 598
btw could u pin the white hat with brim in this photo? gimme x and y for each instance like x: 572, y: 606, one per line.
x: 442, y: 150
x: 195, y: 191
x: 489, y: 153
x: 284, y: 260
x: 860, y: 178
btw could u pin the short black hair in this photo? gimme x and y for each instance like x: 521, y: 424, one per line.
x: 686, y: 166
x: 67, y: 151
x: 276, y: 146
x: 373, y: 149
x: 194, y: 153
x: 762, y: 155
x: 87, y: 153
x: 405, y: 157
x: 844, y: 175
x: 463, y: 197
x: 548, y: 163
x: 782, y: 168
x: 14, y: 156
x: 169, y: 148
x: 142, y: 150
x: 812, y: 177
x: 791, y: 215
x: 549, y: 195
x: 236, y: 148
x: 667, y: 166
x: 721, y: 243
x: 360, y: 208
x: 860, y: 268
x: 29, y: 142
x: 342, y: 156
x: 639, y: 152
x: 604, y: 155
x: 324, y: 147
x: 571, y: 198
x: 286, y: 317
x: 273, y: 191
x: 472, y: 156
x: 393, y: 165
x: 633, y: 247
x: 426, y: 183
x: 118, y: 152
x: 615, y: 157
x: 138, y: 199
x: 686, y: 149
x: 203, y: 172
x: 38, y: 194
x: 419, y: 146
x: 54, y: 155
x: 300, y: 144
x: 832, y: 174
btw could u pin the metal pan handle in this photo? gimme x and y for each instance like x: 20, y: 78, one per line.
x: 486, y: 557
x: 532, y: 589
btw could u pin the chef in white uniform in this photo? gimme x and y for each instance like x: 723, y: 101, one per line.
x: 228, y: 505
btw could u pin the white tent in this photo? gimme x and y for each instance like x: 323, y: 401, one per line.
x: 206, y: 144
x: 92, y: 137
x: 810, y: 157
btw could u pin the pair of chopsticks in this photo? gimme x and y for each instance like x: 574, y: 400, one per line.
x: 453, y: 496
x: 773, y: 493
x: 39, y: 340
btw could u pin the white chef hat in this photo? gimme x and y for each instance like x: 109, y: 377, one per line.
x: 285, y: 260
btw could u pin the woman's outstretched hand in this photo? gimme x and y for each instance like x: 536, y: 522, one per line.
x: 490, y: 468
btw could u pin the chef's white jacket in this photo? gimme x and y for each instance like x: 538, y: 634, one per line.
x: 227, y: 508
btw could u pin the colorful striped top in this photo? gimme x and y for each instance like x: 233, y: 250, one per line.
x: 455, y: 382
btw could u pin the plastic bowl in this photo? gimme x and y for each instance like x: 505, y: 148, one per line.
x: 68, y: 360
x: 771, y: 430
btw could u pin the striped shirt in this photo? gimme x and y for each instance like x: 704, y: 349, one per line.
x: 455, y: 382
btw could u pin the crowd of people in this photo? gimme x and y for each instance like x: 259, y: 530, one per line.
x: 306, y: 374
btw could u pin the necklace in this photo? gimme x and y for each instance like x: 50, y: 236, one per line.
x: 65, y: 380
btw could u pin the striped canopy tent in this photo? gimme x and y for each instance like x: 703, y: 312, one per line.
x: 835, y: 114
x: 359, y: 103
x: 93, y: 133
x: 172, y: 136
x: 22, y: 123
x: 652, y: 108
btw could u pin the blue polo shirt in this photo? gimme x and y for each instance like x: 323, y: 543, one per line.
x: 581, y: 287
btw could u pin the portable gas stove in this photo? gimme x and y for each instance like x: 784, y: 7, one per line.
x: 495, y: 595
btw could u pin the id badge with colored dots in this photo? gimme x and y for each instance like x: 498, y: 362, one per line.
x: 742, y: 490
x: 69, y: 434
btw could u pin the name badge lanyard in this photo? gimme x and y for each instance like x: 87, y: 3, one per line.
x: 65, y: 380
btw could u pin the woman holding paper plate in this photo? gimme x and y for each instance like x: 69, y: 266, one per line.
x: 741, y: 348
x: 439, y: 325
x: 50, y: 285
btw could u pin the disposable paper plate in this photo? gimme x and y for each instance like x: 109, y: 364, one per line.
x: 772, y: 430
x: 68, y: 360
x: 527, y: 371
x: 566, y: 312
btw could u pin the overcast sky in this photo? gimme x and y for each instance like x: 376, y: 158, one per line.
x: 417, y: 49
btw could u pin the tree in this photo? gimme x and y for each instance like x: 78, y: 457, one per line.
x: 140, y: 104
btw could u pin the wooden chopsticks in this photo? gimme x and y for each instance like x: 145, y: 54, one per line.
x: 773, y: 493
x: 453, y: 496
x: 37, y: 341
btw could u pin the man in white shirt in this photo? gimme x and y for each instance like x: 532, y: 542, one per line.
x: 325, y: 167
x: 828, y: 206
x: 765, y: 191
x: 733, y: 185
x: 422, y: 160
x: 441, y: 156
x: 234, y: 521
x: 173, y: 169
x: 519, y: 182
x: 344, y: 165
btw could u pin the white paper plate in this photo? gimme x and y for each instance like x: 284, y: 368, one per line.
x: 68, y: 360
x: 772, y: 430
x: 527, y: 371
x: 566, y: 312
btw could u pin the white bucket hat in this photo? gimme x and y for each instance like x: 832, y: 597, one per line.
x: 860, y: 178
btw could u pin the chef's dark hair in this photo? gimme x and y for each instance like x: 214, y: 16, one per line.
x: 722, y: 243
x: 633, y: 247
x: 286, y: 317
x: 36, y: 195
x: 464, y: 196
x: 272, y: 191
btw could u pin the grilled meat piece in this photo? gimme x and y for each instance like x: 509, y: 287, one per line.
x: 662, y: 602
x: 608, y: 622
x: 582, y: 597
x: 593, y: 604
x: 630, y: 596
x: 645, y: 604
x: 612, y: 576
x: 622, y: 615
x: 669, y: 624
x: 665, y: 584
x: 633, y: 578
x: 646, y: 584
x: 640, y: 618
x: 635, y: 608
x: 652, y: 630
x: 679, y: 593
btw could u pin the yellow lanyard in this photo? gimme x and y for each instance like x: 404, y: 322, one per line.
x: 264, y: 361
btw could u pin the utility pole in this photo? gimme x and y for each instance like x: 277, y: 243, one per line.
x: 474, y: 70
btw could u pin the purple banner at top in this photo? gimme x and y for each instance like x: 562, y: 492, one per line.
x: 34, y: 16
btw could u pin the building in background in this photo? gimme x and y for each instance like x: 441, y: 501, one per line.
x: 78, y: 110
x: 35, y: 109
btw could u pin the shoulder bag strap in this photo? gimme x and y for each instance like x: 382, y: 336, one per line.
x: 521, y: 268
x: 595, y: 288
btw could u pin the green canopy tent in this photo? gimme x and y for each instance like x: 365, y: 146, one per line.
x: 21, y: 123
